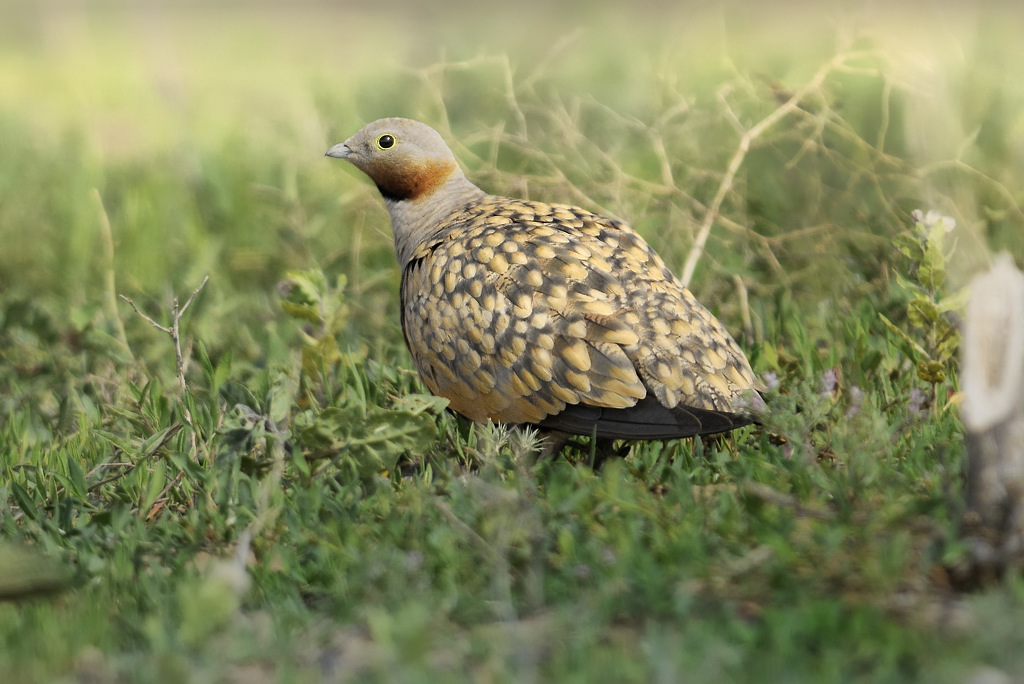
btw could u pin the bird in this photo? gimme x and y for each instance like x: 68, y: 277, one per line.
x: 527, y: 313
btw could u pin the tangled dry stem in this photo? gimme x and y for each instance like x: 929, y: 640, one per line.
x: 749, y: 136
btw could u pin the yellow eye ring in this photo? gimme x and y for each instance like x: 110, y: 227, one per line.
x: 386, y: 141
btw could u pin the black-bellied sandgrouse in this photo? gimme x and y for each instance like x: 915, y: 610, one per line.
x: 545, y: 314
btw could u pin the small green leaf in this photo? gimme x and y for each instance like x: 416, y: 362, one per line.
x: 281, y: 397
x: 422, y: 403
x: 922, y: 313
x: 956, y: 301
x: 221, y: 372
x: 204, y: 359
x: 909, y: 246
x: 918, y: 349
x: 151, y: 443
x: 25, y: 503
x: 233, y: 393
x: 298, y: 459
x: 76, y: 477
x: 940, y: 226
x: 156, y: 482
x: 303, y: 312
x: 907, y: 285
x: 303, y: 287
x: 116, y: 440
x: 948, y: 345
x: 932, y: 269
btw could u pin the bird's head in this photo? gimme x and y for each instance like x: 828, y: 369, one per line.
x: 408, y: 160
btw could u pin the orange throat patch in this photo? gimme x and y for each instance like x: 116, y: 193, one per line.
x: 412, y: 181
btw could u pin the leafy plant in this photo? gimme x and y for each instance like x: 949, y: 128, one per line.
x: 345, y: 420
x: 931, y: 311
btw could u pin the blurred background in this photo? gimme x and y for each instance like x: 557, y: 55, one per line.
x: 202, y: 128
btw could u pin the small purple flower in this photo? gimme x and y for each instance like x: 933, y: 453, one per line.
x: 856, y: 397
x: 582, y: 571
x: 413, y: 560
x: 771, y: 380
x: 917, y: 401
x: 829, y: 382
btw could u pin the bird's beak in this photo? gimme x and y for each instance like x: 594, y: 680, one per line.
x: 340, y: 151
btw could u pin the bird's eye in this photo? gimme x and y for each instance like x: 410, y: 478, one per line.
x: 386, y: 141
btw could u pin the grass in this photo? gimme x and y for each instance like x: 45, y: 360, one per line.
x: 290, y: 506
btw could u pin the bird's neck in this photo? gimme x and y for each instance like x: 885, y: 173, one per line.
x: 418, y: 220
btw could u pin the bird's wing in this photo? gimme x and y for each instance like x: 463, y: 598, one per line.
x: 496, y: 325
x: 525, y: 309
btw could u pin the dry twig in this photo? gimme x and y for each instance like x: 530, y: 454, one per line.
x: 174, y: 331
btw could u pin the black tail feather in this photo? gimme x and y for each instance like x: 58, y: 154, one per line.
x: 646, y: 420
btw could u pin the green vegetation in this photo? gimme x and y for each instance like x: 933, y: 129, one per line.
x: 291, y: 506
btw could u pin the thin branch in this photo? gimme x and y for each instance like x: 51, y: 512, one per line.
x: 163, y: 329
x: 658, y: 143
x: 176, y: 336
x: 195, y: 293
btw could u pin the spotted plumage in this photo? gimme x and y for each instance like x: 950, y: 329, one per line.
x: 546, y: 314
